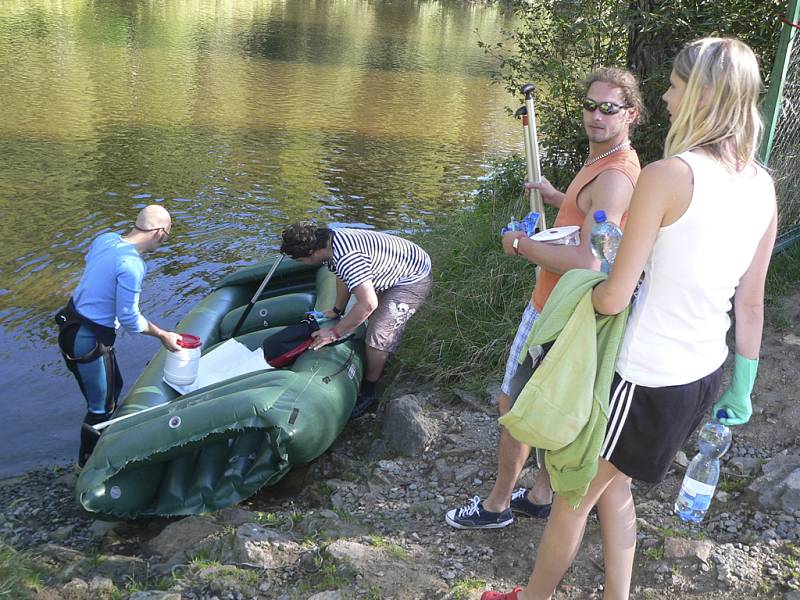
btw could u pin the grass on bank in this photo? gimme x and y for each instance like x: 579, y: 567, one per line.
x: 782, y: 279
x: 20, y: 577
x: 462, y: 334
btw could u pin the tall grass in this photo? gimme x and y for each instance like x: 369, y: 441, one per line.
x: 783, y: 278
x: 784, y: 274
x: 463, y: 331
x: 19, y: 576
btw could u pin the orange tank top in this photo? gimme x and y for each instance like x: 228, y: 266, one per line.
x: 627, y: 162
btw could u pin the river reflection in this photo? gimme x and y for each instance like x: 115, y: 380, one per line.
x: 240, y: 117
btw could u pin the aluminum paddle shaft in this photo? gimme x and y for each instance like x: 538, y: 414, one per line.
x: 257, y: 295
x: 532, y: 151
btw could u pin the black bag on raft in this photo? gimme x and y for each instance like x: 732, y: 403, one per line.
x: 282, y: 348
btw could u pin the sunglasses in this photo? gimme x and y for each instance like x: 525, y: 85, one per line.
x: 607, y: 108
x: 164, y: 229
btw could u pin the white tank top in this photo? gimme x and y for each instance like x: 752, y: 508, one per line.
x: 676, y: 330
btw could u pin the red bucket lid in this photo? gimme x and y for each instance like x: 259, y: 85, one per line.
x: 189, y: 341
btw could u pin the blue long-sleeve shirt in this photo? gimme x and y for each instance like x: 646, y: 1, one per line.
x: 108, y: 292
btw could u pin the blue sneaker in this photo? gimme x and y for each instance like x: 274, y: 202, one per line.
x: 474, y: 516
x: 521, y: 505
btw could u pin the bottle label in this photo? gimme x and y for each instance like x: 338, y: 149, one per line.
x: 696, y: 494
x: 694, y: 487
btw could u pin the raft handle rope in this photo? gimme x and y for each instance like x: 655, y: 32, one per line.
x: 345, y: 365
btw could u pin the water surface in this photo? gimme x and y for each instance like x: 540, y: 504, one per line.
x: 238, y: 116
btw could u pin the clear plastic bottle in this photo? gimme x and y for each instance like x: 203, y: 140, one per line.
x: 605, y: 239
x: 702, y: 473
x: 528, y: 224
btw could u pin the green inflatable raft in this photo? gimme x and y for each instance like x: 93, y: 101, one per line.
x: 215, y: 446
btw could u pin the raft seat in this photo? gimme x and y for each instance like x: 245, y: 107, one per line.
x: 270, y: 312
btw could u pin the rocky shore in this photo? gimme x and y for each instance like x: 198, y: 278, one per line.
x: 366, y: 520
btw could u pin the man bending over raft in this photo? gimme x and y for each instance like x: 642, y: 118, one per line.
x: 107, y: 296
x: 612, y: 105
x: 389, y: 276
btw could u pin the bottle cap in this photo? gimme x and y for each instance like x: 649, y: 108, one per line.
x: 599, y: 216
x: 722, y: 414
x: 188, y: 340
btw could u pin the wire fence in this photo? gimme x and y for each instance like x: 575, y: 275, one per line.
x: 784, y: 160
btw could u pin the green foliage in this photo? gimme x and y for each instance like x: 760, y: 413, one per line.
x: 558, y: 42
x: 389, y: 548
x: 732, y: 484
x: 792, y: 560
x: 202, y: 559
x: 654, y: 553
x: 463, y: 589
x: 782, y: 279
x: 19, y: 575
x: 661, y: 29
x: 668, y: 532
x: 462, y: 333
x: 328, y: 576
x: 784, y: 273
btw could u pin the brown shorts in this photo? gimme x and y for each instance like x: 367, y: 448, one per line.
x: 395, y: 307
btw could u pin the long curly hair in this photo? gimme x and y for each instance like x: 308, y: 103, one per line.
x: 304, y: 238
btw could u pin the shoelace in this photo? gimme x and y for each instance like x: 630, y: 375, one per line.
x: 519, y: 493
x: 470, y: 509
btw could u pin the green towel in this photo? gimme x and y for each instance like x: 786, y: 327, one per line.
x: 563, y: 408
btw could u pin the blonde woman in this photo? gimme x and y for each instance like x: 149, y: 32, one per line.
x: 701, y: 226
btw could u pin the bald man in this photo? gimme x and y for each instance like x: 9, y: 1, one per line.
x: 107, y: 296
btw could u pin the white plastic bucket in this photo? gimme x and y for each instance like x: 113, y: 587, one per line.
x: 180, y: 368
x: 569, y: 235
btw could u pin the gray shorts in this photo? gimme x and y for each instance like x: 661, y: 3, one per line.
x: 395, y: 307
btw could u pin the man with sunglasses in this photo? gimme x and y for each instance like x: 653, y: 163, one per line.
x: 612, y: 106
x: 106, y: 297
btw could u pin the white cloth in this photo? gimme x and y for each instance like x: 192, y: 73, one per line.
x: 229, y: 359
x: 676, y: 331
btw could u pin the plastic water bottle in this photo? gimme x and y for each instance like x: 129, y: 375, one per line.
x: 702, y: 473
x: 528, y: 224
x: 605, y: 240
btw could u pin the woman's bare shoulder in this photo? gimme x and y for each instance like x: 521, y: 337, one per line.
x: 667, y: 168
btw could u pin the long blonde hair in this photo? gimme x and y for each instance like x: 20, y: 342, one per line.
x: 719, y: 109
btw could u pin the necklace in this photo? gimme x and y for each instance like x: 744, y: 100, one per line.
x: 601, y: 156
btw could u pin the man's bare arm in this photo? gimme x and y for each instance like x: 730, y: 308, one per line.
x: 611, y: 191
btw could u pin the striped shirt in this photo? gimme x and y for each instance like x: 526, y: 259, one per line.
x: 385, y: 260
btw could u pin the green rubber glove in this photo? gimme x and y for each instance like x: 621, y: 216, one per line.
x: 736, y: 399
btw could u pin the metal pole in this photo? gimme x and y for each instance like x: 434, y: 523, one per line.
x: 256, y: 295
x: 522, y: 112
x: 777, y: 78
x: 534, y: 172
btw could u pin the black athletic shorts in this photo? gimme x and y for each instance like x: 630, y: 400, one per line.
x: 647, y: 426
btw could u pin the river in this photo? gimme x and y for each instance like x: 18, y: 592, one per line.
x: 239, y: 116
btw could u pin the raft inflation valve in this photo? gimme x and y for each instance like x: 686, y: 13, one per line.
x: 174, y: 422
